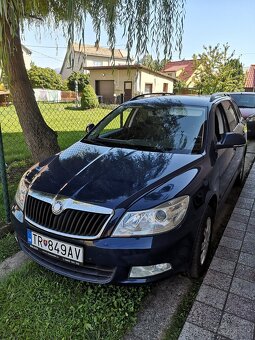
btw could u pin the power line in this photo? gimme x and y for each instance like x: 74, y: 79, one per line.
x: 56, y: 47
x: 39, y: 46
x: 47, y: 56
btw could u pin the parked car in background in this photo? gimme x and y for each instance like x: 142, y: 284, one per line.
x: 246, y: 104
x: 135, y: 200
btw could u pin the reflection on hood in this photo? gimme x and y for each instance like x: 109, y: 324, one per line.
x: 104, y: 175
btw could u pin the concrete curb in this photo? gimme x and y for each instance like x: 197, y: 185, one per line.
x: 158, y: 309
x: 12, y: 263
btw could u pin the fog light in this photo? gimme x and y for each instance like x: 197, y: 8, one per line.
x: 145, y: 271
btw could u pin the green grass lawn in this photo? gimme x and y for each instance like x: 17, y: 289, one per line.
x: 69, y: 122
x: 8, y: 246
x: 35, y: 303
x: 65, y: 119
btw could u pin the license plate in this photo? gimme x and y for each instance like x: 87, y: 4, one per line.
x: 66, y: 251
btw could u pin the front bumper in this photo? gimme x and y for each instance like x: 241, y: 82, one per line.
x: 109, y: 259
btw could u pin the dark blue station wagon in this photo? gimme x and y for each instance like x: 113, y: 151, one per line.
x: 135, y: 200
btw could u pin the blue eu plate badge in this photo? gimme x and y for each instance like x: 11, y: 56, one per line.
x: 29, y: 236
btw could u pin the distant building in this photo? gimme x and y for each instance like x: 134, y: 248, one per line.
x: 250, y: 80
x: 126, y: 81
x: 78, y: 58
x: 182, y: 70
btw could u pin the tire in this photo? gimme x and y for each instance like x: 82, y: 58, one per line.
x: 202, y: 245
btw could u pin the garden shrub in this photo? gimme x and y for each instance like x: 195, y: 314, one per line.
x: 88, y: 99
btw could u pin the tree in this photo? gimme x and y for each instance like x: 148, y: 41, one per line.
x: 153, y: 64
x: 140, y: 26
x: 45, y: 78
x: 81, y: 78
x: 179, y: 86
x: 217, y: 71
x: 88, y: 99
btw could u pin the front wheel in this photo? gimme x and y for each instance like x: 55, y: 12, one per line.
x: 202, y: 245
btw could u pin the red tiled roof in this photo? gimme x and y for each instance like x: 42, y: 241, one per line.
x: 186, y: 65
x: 250, y: 79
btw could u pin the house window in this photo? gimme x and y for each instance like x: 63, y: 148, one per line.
x: 98, y: 63
x: 148, y: 88
x: 165, y: 87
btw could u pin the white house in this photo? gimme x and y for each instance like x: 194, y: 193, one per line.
x: 79, y: 57
x: 127, y: 80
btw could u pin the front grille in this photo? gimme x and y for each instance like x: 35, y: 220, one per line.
x: 86, y: 272
x: 70, y: 221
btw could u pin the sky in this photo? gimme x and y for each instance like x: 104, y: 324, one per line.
x: 207, y: 22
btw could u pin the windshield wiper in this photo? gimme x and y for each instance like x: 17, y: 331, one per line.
x: 93, y: 141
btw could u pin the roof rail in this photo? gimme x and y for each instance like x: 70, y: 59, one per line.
x: 218, y: 95
x: 152, y: 95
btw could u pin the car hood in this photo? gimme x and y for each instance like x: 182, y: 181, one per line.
x: 110, y: 177
x: 246, y: 112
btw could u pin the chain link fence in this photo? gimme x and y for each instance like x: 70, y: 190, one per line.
x: 68, y: 120
x: 65, y: 118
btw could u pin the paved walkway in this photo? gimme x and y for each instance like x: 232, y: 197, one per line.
x: 225, y: 305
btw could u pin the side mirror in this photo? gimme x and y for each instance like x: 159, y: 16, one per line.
x: 231, y: 140
x: 90, y: 127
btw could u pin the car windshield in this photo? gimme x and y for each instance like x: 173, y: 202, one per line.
x: 178, y: 129
x: 244, y: 100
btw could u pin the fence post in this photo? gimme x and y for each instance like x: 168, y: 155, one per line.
x: 4, y: 180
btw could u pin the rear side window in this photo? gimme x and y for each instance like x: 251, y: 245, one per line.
x: 230, y: 114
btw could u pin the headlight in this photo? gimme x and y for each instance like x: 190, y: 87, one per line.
x: 21, y: 192
x: 154, y: 221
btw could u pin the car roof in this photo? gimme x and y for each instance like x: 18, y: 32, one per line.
x: 243, y: 93
x: 166, y: 100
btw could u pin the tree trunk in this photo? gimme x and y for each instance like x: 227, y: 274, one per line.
x: 40, y: 138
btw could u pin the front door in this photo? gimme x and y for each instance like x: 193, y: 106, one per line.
x: 127, y: 90
x: 225, y: 157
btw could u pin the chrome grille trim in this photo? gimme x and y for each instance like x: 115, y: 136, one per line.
x: 70, y: 205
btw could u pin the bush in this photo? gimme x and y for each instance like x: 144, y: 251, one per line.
x: 45, y: 78
x: 88, y: 99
